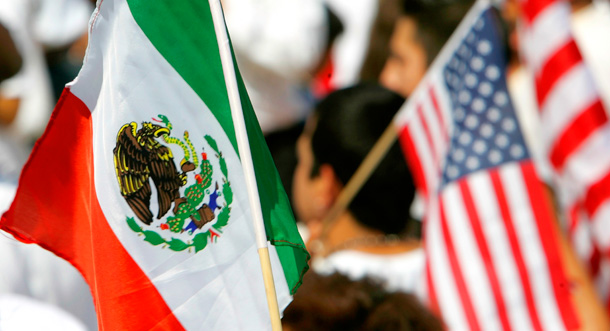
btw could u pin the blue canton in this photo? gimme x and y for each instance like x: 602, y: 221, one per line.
x: 486, y: 132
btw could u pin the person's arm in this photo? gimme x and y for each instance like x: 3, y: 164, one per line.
x: 10, y: 60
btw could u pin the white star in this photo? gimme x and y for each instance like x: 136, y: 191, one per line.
x: 462, y: 69
x: 478, y: 105
x: 458, y: 155
x: 452, y: 171
x: 471, y: 80
x: 472, y: 162
x: 477, y: 63
x: 479, y: 146
x: 500, y: 98
x: 471, y: 38
x: 465, y: 138
x: 471, y: 122
x: 484, y: 47
x: 492, y: 72
x: 502, y: 140
x: 516, y: 151
x: 486, y: 130
x: 454, y: 63
x: 493, y: 114
x: 495, y: 156
x: 464, y: 97
x: 508, y: 124
x: 485, y: 89
x: 479, y: 25
x: 459, y: 114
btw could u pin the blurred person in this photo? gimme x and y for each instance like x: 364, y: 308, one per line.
x: 350, y: 48
x: 279, y: 45
x: 26, y: 103
x: 23, y: 313
x: 375, y: 236
x: 419, y: 35
x: 388, y: 12
x: 334, y: 302
x: 10, y: 60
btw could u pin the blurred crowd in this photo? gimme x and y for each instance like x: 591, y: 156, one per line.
x: 326, y: 78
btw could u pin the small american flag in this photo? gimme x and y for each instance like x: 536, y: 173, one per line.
x: 575, y: 129
x: 492, y: 255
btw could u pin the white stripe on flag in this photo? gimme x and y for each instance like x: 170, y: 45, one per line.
x: 572, y: 93
x: 469, y: 257
x: 580, y: 171
x: 529, y: 239
x: 546, y: 35
x: 441, y: 274
x: 424, y: 152
x: 432, y: 122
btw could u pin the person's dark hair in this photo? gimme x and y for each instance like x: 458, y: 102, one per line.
x: 349, y: 123
x: 334, y: 302
x: 436, y: 20
x: 388, y: 12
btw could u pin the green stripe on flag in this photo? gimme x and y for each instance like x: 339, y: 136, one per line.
x: 183, y: 32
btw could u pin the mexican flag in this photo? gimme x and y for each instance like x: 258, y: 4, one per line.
x: 138, y: 182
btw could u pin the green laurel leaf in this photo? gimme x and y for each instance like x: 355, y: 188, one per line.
x: 153, y: 238
x: 223, y: 218
x: 212, y: 143
x: 223, y: 166
x: 227, y: 193
x: 177, y: 245
x: 200, y: 241
x: 133, y: 225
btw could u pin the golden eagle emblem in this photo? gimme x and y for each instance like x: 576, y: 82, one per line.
x: 138, y: 157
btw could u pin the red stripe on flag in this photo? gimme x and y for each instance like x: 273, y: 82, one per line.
x: 433, y: 148
x: 564, y: 59
x: 479, y: 236
x: 68, y: 221
x: 432, y: 298
x: 586, y: 123
x: 531, y: 9
x: 597, y: 194
x: 457, y: 273
x: 541, y: 208
x: 406, y: 141
x: 439, y: 113
x: 515, y: 248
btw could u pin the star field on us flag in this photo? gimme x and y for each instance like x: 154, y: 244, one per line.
x: 486, y: 131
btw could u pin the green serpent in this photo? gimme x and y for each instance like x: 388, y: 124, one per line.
x: 173, y: 140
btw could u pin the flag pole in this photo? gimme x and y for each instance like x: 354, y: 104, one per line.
x: 243, y: 146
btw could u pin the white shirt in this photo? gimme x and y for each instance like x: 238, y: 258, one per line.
x: 397, y: 272
x: 18, y: 313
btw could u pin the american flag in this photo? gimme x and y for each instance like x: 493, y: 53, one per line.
x: 575, y: 130
x: 492, y: 254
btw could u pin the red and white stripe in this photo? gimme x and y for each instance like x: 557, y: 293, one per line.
x: 575, y: 127
x: 429, y: 134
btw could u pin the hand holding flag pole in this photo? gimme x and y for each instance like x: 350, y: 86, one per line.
x: 246, y: 160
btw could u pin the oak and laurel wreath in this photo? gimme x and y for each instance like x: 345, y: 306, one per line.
x: 200, y: 240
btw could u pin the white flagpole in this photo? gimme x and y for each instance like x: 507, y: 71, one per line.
x: 246, y: 159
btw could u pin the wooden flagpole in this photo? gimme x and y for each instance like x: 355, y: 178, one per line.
x: 243, y: 146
